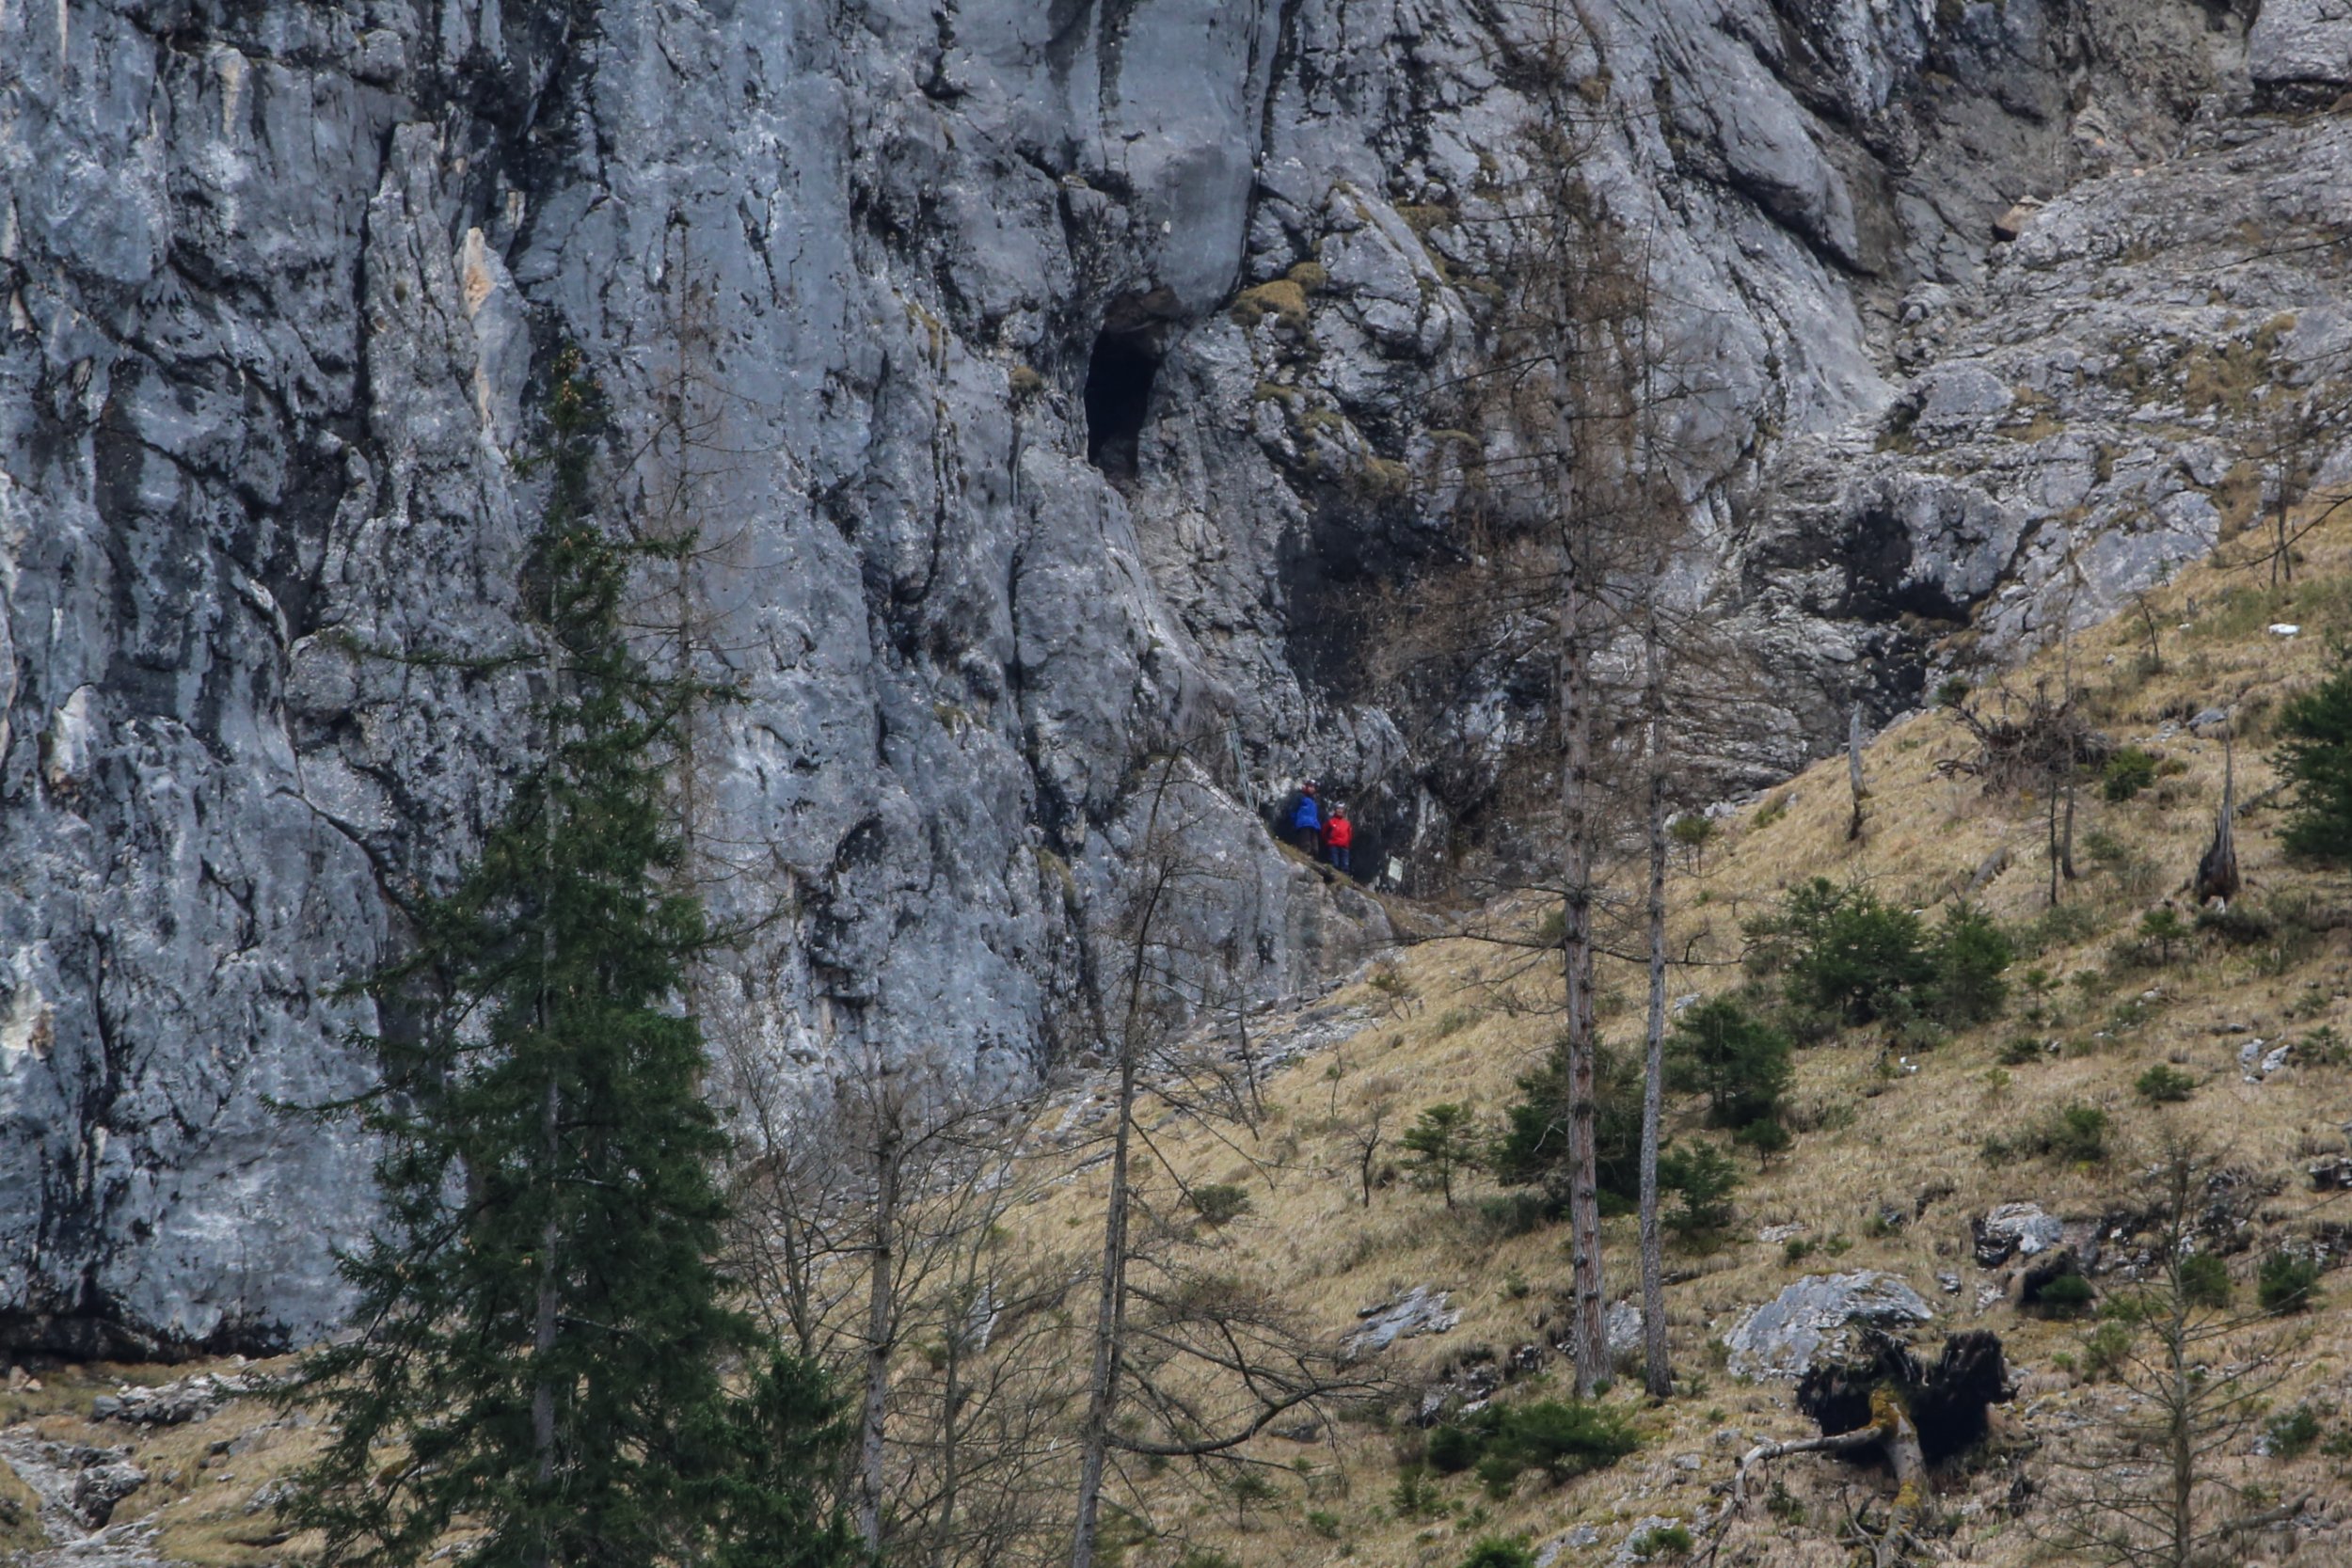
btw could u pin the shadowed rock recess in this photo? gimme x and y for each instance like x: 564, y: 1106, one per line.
x: 282, y: 281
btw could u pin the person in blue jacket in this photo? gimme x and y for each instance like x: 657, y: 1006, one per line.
x: 1306, y: 821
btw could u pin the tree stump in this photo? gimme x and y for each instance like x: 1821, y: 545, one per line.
x: 1886, y: 1404
x: 1947, y: 1401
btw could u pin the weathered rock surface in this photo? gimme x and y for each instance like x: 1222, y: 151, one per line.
x: 2091, y: 412
x: 189, y: 1399
x: 2300, y: 50
x: 1819, y: 1321
x: 936, y: 322
x: 2009, y: 1230
x: 1419, y: 1310
x: 77, y: 1488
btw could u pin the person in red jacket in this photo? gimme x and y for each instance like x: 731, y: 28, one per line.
x: 1338, y: 833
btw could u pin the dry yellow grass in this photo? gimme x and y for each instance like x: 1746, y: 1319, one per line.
x: 201, y: 1501
x: 20, y: 1515
x: 1886, y: 1132
x: 1917, y: 1119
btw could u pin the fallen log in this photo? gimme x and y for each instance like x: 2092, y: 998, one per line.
x: 1893, y: 1432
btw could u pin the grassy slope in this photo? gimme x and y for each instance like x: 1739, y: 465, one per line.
x: 1469, y: 1028
x: 1465, y: 1034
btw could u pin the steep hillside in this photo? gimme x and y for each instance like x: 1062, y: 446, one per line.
x: 1895, y: 1155
x: 980, y: 339
x: 1892, y: 1159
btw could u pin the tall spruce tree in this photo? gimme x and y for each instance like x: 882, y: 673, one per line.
x: 541, y: 1337
x: 2315, y: 756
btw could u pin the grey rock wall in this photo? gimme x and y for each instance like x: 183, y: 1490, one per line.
x: 2300, y: 50
x: 1002, y: 477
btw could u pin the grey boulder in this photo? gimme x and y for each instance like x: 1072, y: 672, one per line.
x: 2009, y: 1230
x: 1816, y: 1320
x: 2299, y: 49
x: 1419, y: 1310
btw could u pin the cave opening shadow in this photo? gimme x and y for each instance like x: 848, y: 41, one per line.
x: 1118, y: 396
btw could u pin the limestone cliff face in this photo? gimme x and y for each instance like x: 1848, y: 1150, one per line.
x: 937, y: 320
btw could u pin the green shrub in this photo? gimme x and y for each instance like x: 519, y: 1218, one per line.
x: 1562, y: 1438
x: 1395, y: 987
x: 1702, y: 1178
x: 1766, y: 1138
x: 1442, y: 1143
x: 2293, y: 1433
x: 2240, y: 924
x: 2067, y: 1297
x: 1796, y: 1249
x: 1844, y: 951
x: 2129, y: 771
x: 2163, y: 926
x: 1220, y: 1202
x: 2206, y: 1281
x: 1806, y: 1026
x: 1970, y: 953
x: 1497, y: 1473
x: 2061, y: 926
x: 1738, y: 1060
x: 2076, y: 1133
x: 2106, y: 1348
x: 1415, y: 1495
x: 1248, y: 1489
x: 1533, y: 1150
x: 1450, y: 1449
x: 2286, y: 1283
x: 1324, y: 1523
x: 2315, y: 755
x: 1662, y: 1541
x: 2165, y: 1085
x: 1503, y: 1442
x: 1495, y: 1551
x: 1694, y: 833
x: 2021, y: 1051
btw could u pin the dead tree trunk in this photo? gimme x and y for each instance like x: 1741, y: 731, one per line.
x: 1910, y: 1413
x: 881, y: 1301
x: 1577, y: 722
x: 1843, y: 1442
x: 2217, y: 870
x: 1853, y: 770
x: 1110, y: 1322
x: 1894, y: 1435
x: 2050, y: 846
x: 1657, y: 1376
x: 1110, y: 1318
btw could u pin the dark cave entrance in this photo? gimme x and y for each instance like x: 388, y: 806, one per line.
x: 1118, y: 394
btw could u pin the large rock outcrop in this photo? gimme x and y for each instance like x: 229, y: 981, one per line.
x: 976, y: 341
